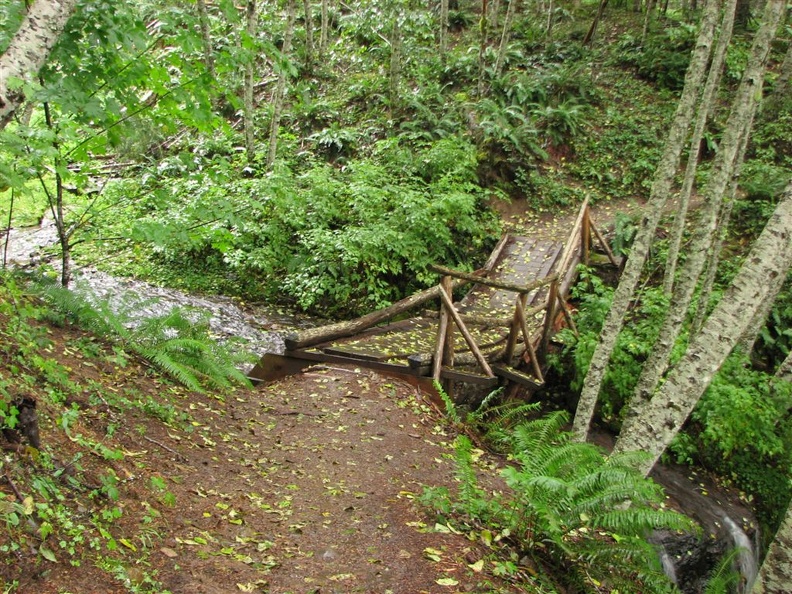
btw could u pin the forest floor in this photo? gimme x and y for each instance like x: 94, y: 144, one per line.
x: 310, y: 484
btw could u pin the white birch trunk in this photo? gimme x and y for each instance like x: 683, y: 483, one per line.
x: 280, y: 90
x: 250, y: 137
x: 724, y: 169
x: 505, y: 35
x: 708, y: 103
x: 30, y: 48
x: 661, y: 190
x: 665, y: 414
x: 775, y: 575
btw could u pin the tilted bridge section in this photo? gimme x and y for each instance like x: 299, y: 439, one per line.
x: 498, y: 333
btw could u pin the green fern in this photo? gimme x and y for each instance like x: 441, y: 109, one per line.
x: 571, y: 506
x: 178, y: 342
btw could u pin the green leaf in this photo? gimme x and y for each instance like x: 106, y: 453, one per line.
x: 47, y: 554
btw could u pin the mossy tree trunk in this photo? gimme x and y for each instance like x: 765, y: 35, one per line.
x: 726, y: 167
x: 775, y: 575
x: 708, y: 103
x: 665, y: 414
x: 29, y: 49
x: 661, y: 191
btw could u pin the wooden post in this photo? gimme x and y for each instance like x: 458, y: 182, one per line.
x: 444, y: 351
x: 520, y: 312
x: 552, y: 298
x: 605, y: 246
x: 567, y: 316
x: 466, y: 334
x: 585, y: 236
x: 514, y: 328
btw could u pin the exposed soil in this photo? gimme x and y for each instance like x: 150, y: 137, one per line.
x: 305, y: 485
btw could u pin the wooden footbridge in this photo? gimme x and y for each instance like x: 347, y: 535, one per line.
x: 498, y: 332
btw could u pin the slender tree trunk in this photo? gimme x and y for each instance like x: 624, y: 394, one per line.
x: 775, y: 574
x: 203, y: 18
x: 664, y: 416
x: 549, y: 25
x: 708, y: 103
x: 726, y: 166
x: 30, y: 48
x: 309, y: 41
x: 494, y: 13
x: 323, y: 33
x: 280, y: 90
x: 395, y: 61
x: 8, y: 227
x: 443, y: 28
x: 647, y: 18
x: 483, y: 34
x: 56, y: 203
x: 504, y: 42
x: 250, y: 66
x: 722, y: 225
x: 595, y: 23
x: 661, y: 190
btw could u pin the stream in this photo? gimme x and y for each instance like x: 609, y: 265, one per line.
x: 687, y: 559
x: 261, y: 327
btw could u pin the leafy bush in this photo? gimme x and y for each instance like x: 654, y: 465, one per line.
x: 568, y: 506
x: 339, y: 241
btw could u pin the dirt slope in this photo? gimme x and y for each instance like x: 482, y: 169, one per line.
x: 306, y: 485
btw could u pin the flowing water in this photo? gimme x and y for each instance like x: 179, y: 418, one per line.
x: 261, y: 327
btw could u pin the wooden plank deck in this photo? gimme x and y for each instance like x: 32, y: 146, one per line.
x: 406, y: 346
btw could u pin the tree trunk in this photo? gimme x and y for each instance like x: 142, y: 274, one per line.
x: 708, y: 103
x: 203, y: 17
x: 483, y: 34
x: 770, y: 256
x: 780, y: 91
x: 504, y: 42
x: 661, y: 189
x: 443, y: 28
x: 395, y: 61
x: 309, y: 43
x: 280, y: 90
x: 30, y: 48
x: 494, y: 13
x: 775, y: 574
x: 323, y: 33
x: 595, y: 23
x: 647, y: 18
x: 250, y: 30
x: 724, y: 169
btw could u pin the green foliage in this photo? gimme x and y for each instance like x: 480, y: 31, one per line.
x: 632, y: 347
x: 664, y: 57
x: 327, y: 240
x: 178, y: 342
x: 569, y: 506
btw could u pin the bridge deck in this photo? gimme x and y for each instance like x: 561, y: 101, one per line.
x: 407, y: 345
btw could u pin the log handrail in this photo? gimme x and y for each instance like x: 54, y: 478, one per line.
x: 466, y: 276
